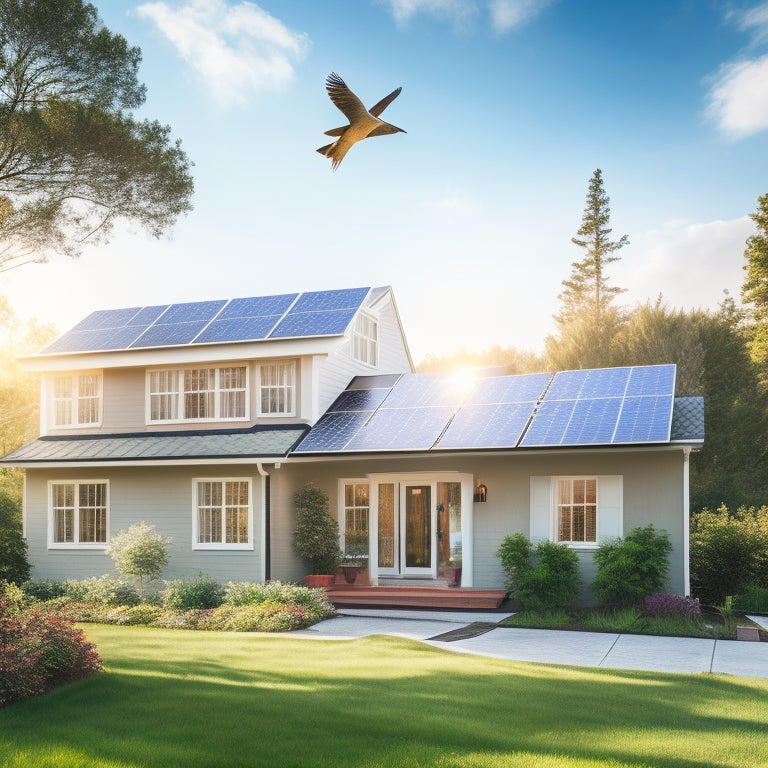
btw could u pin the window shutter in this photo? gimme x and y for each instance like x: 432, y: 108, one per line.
x: 541, y: 508
x: 610, y: 522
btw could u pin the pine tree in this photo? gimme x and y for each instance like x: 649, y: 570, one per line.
x: 588, y: 321
x: 754, y: 290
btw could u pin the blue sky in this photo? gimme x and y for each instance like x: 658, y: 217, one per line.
x: 509, y: 107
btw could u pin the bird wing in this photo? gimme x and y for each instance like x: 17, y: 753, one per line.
x: 344, y: 99
x: 336, y: 131
x: 384, y: 130
x: 378, y: 108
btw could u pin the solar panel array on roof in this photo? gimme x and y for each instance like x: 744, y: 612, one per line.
x: 422, y: 412
x: 292, y: 315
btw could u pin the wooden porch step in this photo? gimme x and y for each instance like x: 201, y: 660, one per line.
x: 420, y: 597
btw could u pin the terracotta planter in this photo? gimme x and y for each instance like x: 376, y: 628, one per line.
x: 319, y: 580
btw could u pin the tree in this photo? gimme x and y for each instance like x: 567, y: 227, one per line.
x: 14, y: 566
x: 316, y: 535
x: 140, y: 552
x: 754, y: 290
x: 588, y: 322
x: 73, y: 160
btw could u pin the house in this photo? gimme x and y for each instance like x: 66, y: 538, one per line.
x: 204, y: 419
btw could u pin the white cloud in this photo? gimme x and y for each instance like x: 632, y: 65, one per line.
x: 506, y: 14
x: 238, y: 49
x: 689, y: 264
x: 455, y: 10
x: 738, y: 100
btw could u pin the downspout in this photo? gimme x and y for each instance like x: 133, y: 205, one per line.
x: 266, y: 548
x: 686, y: 521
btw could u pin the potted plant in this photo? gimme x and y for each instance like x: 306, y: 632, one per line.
x: 355, y: 556
x: 316, y: 535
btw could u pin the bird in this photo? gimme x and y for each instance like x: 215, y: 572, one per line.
x: 362, y: 122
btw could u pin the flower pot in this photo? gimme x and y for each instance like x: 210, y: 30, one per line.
x: 350, y: 573
x: 319, y: 580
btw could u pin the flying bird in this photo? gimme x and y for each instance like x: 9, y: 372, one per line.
x: 362, y: 122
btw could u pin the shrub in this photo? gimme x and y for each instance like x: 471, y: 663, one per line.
x: 728, y: 551
x: 198, y: 593
x: 247, y: 593
x: 316, y: 533
x: 103, y: 590
x: 672, y: 606
x: 753, y: 599
x: 139, y: 552
x: 130, y: 615
x: 544, y: 578
x: 632, y: 568
x: 44, y: 589
x: 40, y: 650
x: 269, y: 616
x: 14, y: 566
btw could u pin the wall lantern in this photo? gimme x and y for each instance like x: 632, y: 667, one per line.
x: 481, y: 492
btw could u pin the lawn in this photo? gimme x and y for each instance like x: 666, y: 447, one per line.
x: 206, y: 699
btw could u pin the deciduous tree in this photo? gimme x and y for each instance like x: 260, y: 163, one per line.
x: 754, y: 291
x: 73, y: 159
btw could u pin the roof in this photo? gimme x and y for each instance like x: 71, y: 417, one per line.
x: 257, y: 318
x: 256, y: 443
x: 436, y: 412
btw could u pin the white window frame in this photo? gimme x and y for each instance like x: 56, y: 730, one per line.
x: 75, y: 398
x: 576, y: 543
x: 343, y: 508
x: 176, y: 391
x: 76, y: 543
x: 288, y: 389
x: 222, y: 544
x: 365, y: 339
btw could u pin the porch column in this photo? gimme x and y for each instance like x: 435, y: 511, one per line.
x: 373, y: 533
x: 467, y: 543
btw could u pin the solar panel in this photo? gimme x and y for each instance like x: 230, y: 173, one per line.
x: 509, y: 389
x: 487, y: 426
x: 645, y: 419
x: 401, y: 429
x: 332, y: 432
x: 173, y: 334
x: 329, y: 323
x: 248, y: 319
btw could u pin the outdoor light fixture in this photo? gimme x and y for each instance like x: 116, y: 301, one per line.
x: 481, y: 491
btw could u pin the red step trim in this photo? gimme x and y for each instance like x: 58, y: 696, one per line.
x: 396, y: 597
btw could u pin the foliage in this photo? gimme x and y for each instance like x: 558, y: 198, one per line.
x: 44, y: 589
x: 139, y: 551
x: 247, y: 593
x: 544, y: 578
x: 268, y: 616
x: 39, y: 650
x: 14, y: 566
x: 728, y: 552
x: 754, y: 290
x: 102, y: 590
x: 199, y: 593
x: 631, y: 568
x: 588, y: 323
x: 671, y: 605
x: 316, y: 533
x: 72, y: 157
x: 355, y: 550
x: 753, y: 599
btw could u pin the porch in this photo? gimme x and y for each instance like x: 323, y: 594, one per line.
x: 413, y: 593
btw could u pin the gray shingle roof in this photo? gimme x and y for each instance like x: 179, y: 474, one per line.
x: 256, y: 443
x: 688, y: 419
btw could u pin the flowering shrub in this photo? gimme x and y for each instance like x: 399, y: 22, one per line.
x: 268, y: 616
x: 672, y: 606
x: 101, y: 589
x: 314, y: 600
x: 38, y: 651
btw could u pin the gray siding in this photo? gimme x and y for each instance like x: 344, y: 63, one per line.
x: 159, y: 496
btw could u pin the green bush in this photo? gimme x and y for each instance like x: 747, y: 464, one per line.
x: 544, y: 578
x: 130, y: 615
x: 316, y: 533
x: 103, y: 590
x: 269, y: 616
x: 140, y: 552
x: 194, y: 594
x: 630, y: 569
x: 14, y: 566
x: 44, y: 589
x: 248, y: 593
x: 729, y: 552
x: 753, y: 599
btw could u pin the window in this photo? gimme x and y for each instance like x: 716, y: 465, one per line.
x: 77, y: 400
x: 277, y: 385
x: 356, y: 508
x: 365, y: 340
x: 223, y: 514
x: 79, y: 513
x: 577, y: 509
x: 198, y: 394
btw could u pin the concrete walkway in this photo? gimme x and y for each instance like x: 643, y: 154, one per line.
x: 584, y: 649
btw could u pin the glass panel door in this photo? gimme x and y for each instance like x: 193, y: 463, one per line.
x: 417, y: 529
x: 388, y: 549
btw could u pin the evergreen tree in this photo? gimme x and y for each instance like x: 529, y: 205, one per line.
x: 754, y: 290
x: 588, y: 322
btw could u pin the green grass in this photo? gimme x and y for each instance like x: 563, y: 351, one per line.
x: 627, y: 620
x: 210, y: 699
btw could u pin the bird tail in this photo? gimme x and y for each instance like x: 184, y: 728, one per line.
x: 334, y: 152
x: 324, y: 150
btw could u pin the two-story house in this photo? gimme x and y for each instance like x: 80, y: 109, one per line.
x: 204, y: 418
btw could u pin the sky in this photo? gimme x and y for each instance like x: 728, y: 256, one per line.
x: 509, y: 106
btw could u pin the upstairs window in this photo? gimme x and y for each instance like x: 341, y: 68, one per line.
x: 277, y: 389
x: 79, y: 513
x: 198, y: 394
x: 365, y: 340
x: 77, y: 400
